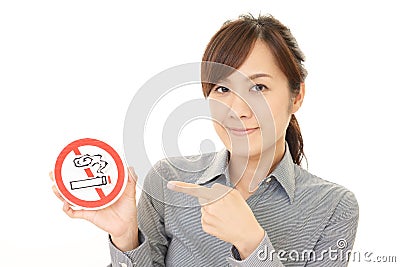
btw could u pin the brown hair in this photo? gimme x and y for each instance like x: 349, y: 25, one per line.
x: 232, y: 44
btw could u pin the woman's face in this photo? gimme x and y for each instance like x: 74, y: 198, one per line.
x: 251, y: 108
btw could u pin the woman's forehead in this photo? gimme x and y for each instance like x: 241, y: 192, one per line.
x: 260, y: 61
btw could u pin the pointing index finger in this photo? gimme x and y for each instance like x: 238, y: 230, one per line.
x: 203, y: 193
x: 191, y: 189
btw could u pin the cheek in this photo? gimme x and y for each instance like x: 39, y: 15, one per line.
x: 218, y: 110
x: 264, y: 114
x: 281, y: 117
x: 273, y: 117
x: 222, y: 134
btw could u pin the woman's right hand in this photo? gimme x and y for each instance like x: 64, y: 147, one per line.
x: 118, y: 219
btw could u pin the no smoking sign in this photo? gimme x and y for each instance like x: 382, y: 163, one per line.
x: 90, y: 174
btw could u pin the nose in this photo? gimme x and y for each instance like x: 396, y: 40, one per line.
x: 239, y: 108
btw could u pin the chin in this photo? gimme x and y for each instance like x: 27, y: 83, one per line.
x: 255, y: 149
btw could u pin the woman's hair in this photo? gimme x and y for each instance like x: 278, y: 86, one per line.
x: 232, y: 44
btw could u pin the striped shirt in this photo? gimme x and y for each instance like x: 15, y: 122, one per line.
x: 308, y: 221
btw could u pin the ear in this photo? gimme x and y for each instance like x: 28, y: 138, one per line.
x: 298, y: 100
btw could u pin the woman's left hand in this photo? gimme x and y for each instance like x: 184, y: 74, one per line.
x: 225, y: 214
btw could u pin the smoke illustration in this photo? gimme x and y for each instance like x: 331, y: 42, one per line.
x: 90, y: 161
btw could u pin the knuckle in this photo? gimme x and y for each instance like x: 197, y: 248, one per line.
x: 210, y: 209
x: 204, y: 219
x: 234, y: 192
x: 203, y: 210
x: 206, y: 228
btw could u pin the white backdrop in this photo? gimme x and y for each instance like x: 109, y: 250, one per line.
x: 62, y: 59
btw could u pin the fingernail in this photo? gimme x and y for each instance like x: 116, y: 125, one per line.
x: 170, y: 185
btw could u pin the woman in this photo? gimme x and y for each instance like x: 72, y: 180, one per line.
x: 259, y: 207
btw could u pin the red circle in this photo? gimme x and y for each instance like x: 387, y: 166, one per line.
x: 88, y: 203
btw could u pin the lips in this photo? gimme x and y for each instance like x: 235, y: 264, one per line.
x: 242, y: 131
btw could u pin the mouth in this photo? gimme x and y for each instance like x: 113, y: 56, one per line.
x: 241, y: 132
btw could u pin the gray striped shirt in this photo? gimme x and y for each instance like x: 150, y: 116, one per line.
x: 308, y: 221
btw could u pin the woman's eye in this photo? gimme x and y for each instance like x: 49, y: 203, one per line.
x: 222, y: 89
x: 259, y: 87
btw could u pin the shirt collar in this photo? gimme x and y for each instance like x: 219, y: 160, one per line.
x: 217, y: 166
x: 284, y: 172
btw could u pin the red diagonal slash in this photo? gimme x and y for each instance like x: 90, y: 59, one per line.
x: 90, y: 174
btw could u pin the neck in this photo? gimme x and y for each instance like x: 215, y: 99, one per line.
x: 247, y: 172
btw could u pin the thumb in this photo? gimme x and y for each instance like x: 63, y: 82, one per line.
x: 130, y: 190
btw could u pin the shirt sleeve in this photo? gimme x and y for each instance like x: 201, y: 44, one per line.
x: 336, y: 242
x: 331, y: 249
x: 136, y: 257
x: 257, y: 258
x: 153, y: 241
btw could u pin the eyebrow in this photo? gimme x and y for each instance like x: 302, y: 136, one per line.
x: 251, y: 77
x: 258, y: 75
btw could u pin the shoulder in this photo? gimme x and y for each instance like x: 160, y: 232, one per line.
x: 182, y: 168
x: 189, y: 167
x: 191, y: 164
x: 331, y: 195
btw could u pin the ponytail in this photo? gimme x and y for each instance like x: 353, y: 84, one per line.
x: 295, y: 141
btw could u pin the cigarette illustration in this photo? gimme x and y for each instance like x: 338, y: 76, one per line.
x: 91, y: 182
